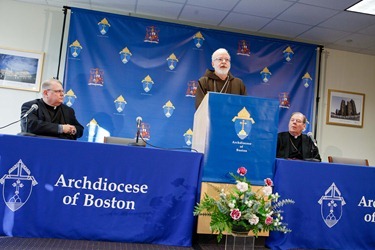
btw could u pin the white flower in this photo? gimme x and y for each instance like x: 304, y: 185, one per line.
x: 275, y: 196
x: 267, y: 190
x: 253, y: 219
x: 223, y: 195
x: 249, y: 203
x: 232, y: 204
x: 276, y: 222
x: 242, y: 186
x: 270, y: 213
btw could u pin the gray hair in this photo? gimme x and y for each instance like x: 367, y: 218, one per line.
x: 219, y: 51
x: 299, y: 113
x: 47, y: 84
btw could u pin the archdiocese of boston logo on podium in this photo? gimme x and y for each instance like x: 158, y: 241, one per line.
x: 243, y: 123
x: 17, y: 186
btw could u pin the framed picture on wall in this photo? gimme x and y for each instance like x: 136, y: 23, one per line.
x: 20, y: 69
x: 345, y: 108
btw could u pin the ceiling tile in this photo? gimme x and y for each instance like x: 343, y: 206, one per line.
x: 343, y: 47
x: 244, y: 22
x: 357, y: 41
x: 175, y: 1
x: 262, y: 8
x: 158, y: 8
x: 285, y: 29
x: 77, y: 3
x: 323, y: 35
x: 332, y: 4
x: 214, y: 4
x: 124, y: 6
x: 34, y: 1
x: 368, y: 31
x: 367, y: 51
x: 306, y: 14
x: 202, y: 15
x: 349, y: 21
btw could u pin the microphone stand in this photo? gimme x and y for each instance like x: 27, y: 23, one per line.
x: 26, y: 121
x: 313, y: 149
x: 137, y: 141
x: 138, y: 132
x: 26, y: 133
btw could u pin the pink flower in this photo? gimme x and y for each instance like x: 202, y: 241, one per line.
x: 269, y: 220
x: 235, y: 214
x: 268, y: 182
x: 242, y: 171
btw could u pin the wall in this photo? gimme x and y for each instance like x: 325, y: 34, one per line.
x: 32, y: 28
x: 38, y: 28
x: 355, y: 73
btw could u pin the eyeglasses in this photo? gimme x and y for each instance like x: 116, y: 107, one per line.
x: 60, y: 91
x: 296, y: 120
x: 222, y: 59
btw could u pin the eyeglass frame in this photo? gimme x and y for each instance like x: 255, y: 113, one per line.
x: 222, y: 59
x: 296, y: 120
x: 60, y: 91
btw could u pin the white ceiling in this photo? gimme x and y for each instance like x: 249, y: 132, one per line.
x: 322, y: 22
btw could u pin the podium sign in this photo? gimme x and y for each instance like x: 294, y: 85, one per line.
x: 234, y: 131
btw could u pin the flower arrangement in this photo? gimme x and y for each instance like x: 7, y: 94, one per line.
x: 244, y: 210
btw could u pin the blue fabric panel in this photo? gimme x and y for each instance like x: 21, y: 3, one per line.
x: 163, y: 95
x: 60, y: 205
x: 321, y: 191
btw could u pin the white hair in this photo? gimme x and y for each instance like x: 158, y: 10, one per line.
x: 48, y: 83
x: 219, y: 51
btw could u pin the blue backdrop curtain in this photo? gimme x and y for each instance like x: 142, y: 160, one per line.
x: 120, y: 67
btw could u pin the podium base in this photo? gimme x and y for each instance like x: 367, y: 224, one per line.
x: 239, y: 242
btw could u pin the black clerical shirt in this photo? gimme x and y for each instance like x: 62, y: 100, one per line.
x: 295, y: 149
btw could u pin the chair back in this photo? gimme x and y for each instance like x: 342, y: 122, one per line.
x: 344, y: 160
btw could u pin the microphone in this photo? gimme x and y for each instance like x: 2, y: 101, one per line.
x: 309, y: 134
x: 33, y: 107
x: 138, y: 120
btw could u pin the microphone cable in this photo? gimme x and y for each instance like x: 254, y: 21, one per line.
x: 10, y: 124
x: 151, y: 145
x: 139, y: 135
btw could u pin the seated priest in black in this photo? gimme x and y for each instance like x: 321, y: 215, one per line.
x: 49, y: 116
x: 295, y: 145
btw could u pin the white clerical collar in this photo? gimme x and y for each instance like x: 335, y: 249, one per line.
x: 294, y: 136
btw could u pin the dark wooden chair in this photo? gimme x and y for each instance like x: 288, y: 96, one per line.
x: 344, y: 160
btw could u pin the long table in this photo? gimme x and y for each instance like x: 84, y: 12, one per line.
x: 334, y: 206
x: 79, y: 190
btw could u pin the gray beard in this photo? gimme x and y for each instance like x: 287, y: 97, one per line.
x: 222, y: 71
